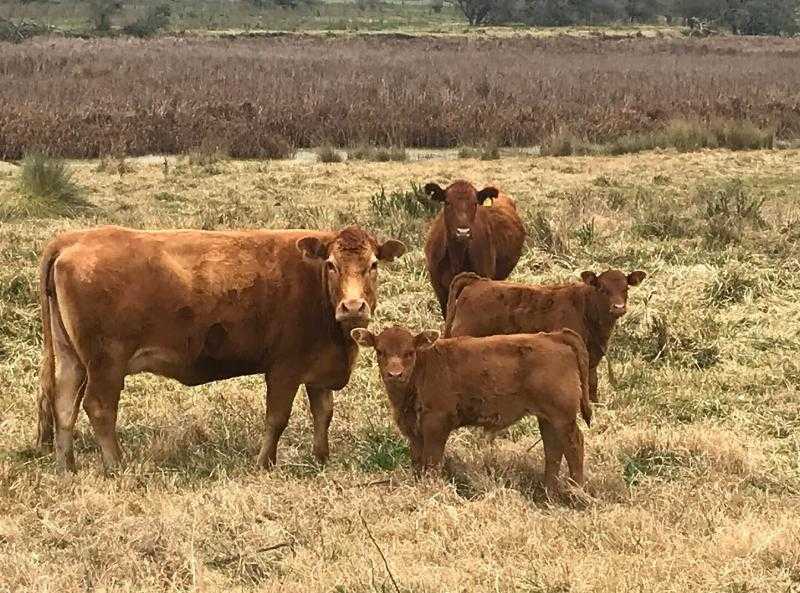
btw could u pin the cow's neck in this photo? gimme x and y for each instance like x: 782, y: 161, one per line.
x: 600, y: 324
x: 458, y: 254
x: 403, y: 399
x: 338, y: 335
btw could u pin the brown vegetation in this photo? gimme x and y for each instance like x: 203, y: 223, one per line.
x: 265, y: 97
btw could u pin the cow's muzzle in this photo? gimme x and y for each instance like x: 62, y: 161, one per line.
x: 353, y: 312
x: 463, y: 234
x: 618, y: 310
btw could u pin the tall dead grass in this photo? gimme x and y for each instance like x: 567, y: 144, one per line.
x: 264, y: 97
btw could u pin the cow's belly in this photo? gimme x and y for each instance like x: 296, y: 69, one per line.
x: 204, y: 369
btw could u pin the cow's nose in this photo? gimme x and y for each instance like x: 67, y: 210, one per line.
x: 353, y: 308
x: 394, y: 373
x: 463, y: 233
x: 618, y: 309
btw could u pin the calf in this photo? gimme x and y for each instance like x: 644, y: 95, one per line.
x: 469, y: 236
x: 481, y: 307
x: 200, y: 306
x: 436, y: 386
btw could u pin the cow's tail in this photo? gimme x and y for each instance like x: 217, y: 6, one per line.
x: 44, y: 433
x: 459, y: 283
x: 582, y: 355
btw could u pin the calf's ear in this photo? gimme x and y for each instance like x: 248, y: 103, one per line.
x: 435, y: 192
x: 589, y: 278
x: 363, y: 337
x: 312, y: 248
x: 487, y: 193
x: 635, y: 278
x: 390, y: 249
x: 425, y: 339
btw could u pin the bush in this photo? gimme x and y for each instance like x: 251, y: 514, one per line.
x: 400, y: 214
x: 729, y: 210
x: 44, y: 188
x: 381, y: 155
x: 20, y: 31
x: 328, y: 154
x: 156, y: 19
x: 102, y: 11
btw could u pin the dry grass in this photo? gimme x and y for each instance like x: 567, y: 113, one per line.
x: 103, y: 97
x: 693, y: 462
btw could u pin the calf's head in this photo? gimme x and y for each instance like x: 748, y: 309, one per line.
x: 397, y: 350
x: 350, y: 270
x: 611, y: 289
x: 461, y: 201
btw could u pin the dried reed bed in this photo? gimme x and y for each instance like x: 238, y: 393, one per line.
x: 264, y: 97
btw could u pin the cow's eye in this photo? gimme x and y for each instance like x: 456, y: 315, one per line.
x: 373, y: 267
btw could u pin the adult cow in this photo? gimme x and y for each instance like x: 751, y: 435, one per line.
x: 468, y: 236
x: 480, y: 307
x: 201, y: 306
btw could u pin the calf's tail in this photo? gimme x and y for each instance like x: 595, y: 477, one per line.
x: 459, y: 283
x: 582, y: 355
x: 45, y: 428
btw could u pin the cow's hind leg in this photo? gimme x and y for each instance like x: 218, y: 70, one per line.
x: 321, y: 403
x: 572, y: 441
x: 553, y: 453
x: 280, y: 397
x: 101, y: 403
x: 70, y: 383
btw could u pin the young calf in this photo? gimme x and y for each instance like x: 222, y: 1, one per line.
x: 436, y: 386
x: 480, y: 307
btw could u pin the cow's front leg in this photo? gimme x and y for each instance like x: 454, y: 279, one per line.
x: 321, y: 403
x: 279, y: 399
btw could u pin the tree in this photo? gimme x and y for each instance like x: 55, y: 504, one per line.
x: 102, y: 11
x: 475, y: 11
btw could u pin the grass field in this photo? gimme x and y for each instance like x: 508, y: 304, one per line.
x: 693, y: 461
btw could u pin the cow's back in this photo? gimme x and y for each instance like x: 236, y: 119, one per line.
x: 487, y: 308
x: 508, y: 235
x: 192, y: 305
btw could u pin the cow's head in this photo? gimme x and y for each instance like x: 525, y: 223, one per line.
x: 461, y: 201
x: 611, y: 289
x: 397, y: 350
x: 350, y: 268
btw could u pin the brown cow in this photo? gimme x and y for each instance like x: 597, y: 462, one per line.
x: 201, y: 306
x: 468, y: 236
x: 481, y: 307
x: 436, y: 386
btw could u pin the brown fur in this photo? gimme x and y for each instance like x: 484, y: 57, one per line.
x: 496, y: 236
x: 436, y: 386
x: 481, y: 307
x: 197, y: 307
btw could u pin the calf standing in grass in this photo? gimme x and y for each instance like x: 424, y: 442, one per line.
x: 469, y: 236
x: 480, y: 307
x: 436, y: 386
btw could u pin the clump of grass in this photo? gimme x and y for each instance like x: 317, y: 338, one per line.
x: 549, y: 234
x: 381, y: 449
x: 648, y: 462
x: 328, y: 154
x: 734, y: 284
x: 729, y: 209
x: 565, y: 143
x: 400, y: 214
x: 378, y: 154
x: 658, y: 218
x: 44, y: 188
x: 156, y: 19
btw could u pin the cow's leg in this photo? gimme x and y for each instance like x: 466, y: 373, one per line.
x: 593, y: 384
x: 70, y: 382
x: 280, y: 397
x: 553, y: 452
x: 434, y: 437
x: 321, y: 403
x: 101, y: 404
x: 572, y: 441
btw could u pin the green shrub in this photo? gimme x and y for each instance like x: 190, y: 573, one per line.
x: 156, y: 19
x: 45, y: 188
x: 401, y: 214
x: 729, y: 209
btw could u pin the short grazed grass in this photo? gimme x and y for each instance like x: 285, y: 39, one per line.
x: 693, y: 458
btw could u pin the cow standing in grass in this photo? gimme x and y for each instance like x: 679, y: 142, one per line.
x: 199, y: 307
x: 470, y: 236
x: 436, y: 386
x: 481, y: 307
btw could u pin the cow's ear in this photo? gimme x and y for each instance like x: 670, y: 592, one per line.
x: 487, y: 193
x: 388, y: 250
x: 363, y: 337
x: 435, y: 192
x: 312, y: 248
x: 589, y: 278
x: 635, y: 278
x: 425, y: 339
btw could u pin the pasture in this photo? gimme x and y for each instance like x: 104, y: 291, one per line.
x: 693, y: 459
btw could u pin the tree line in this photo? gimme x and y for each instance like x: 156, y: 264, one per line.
x: 744, y: 17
